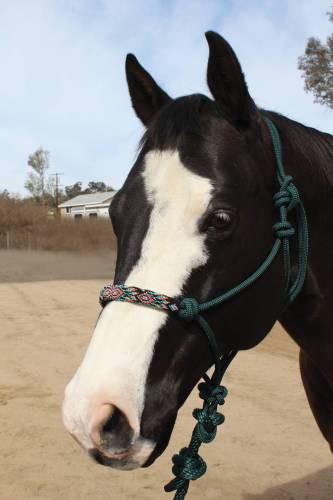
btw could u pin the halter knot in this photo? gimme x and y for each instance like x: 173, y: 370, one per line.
x: 212, y: 394
x: 283, y: 229
x: 288, y: 195
x: 208, y: 419
x: 189, y: 308
x: 187, y: 467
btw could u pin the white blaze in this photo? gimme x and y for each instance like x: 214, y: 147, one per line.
x: 115, y: 366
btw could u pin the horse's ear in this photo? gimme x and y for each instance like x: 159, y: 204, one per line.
x: 147, y: 97
x: 227, y: 83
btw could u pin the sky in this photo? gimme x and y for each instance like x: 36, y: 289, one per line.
x: 63, y: 83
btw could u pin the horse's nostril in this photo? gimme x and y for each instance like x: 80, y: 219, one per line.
x: 116, y: 434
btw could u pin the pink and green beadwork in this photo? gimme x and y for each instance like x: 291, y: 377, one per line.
x: 135, y: 295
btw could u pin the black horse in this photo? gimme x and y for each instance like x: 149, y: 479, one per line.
x: 195, y: 218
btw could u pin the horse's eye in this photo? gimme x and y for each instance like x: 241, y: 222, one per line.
x: 220, y: 220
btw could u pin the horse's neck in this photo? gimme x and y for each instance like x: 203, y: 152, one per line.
x: 308, y: 157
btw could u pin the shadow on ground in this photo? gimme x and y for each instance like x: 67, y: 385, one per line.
x: 317, y: 486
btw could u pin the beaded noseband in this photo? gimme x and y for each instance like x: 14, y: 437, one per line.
x: 188, y: 465
x: 136, y: 295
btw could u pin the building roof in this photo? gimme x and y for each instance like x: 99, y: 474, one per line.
x: 88, y: 199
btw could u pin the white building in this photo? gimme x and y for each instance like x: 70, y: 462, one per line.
x: 87, y: 205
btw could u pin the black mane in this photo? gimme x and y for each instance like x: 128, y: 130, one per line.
x: 314, y: 147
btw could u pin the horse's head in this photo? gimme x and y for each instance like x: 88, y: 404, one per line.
x: 194, y: 218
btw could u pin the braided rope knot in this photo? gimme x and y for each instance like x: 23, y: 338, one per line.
x: 187, y: 467
x: 283, y: 229
x: 189, y: 308
x: 208, y: 419
x: 288, y: 195
x: 212, y: 394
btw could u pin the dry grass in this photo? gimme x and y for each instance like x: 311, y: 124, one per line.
x: 27, y: 226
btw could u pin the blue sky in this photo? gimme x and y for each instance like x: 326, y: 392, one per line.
x: 63, y: 84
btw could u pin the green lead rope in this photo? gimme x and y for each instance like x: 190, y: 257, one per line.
x: 188, y: 465
x: 286, y: 200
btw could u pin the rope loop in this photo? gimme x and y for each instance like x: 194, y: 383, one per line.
x: 189, y: 309
x: 288, y: 195
x: 283, y: 229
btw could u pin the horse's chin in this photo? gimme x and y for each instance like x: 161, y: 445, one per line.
x: 128, y: 462
x: 113, y: 463
x: 132, y: 458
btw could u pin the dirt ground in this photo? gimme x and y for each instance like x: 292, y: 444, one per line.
x: 268, y: 449
x: 22, y: 266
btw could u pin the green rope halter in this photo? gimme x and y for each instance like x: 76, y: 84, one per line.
x: 188, y: 465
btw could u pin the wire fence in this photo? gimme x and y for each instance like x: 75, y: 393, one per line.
x: 20, y: 240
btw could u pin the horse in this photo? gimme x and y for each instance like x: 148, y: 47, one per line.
x: 194, y: 218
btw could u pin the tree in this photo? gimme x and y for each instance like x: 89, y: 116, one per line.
x: 4, y: 194
x: 317, y: 67
x: 50, y: 191
x: 93, y: 187
x: 37, y: 182
x: 97, y: 187
x: 74, y: 190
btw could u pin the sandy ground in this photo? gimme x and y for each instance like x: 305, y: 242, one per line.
x: 21, y: 266
x: 268, y: 449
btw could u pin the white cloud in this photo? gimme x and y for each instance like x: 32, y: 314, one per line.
x: 63, y: 83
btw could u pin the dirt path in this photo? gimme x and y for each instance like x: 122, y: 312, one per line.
x: 269, y: 447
